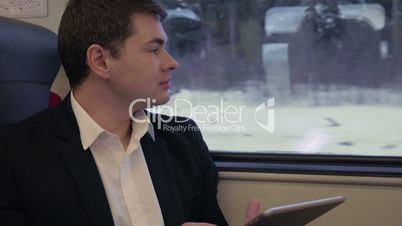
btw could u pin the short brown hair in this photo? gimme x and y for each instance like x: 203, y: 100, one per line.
x: 104, y: 22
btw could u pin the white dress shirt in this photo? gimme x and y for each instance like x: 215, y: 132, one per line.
x: 124, y: 173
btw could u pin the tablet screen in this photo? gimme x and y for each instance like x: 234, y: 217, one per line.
x: 298, y: 214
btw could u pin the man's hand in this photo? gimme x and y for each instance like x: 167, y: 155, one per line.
x: 252, y: 210
x: 197, y: 224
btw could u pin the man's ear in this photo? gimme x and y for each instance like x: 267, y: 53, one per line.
x: 97, y: 60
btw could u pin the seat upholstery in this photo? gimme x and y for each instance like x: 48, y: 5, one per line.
x: 28, y: 65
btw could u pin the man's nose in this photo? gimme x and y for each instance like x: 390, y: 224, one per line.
x: 170, y: 64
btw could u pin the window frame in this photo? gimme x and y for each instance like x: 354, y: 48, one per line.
x: 344, y: 165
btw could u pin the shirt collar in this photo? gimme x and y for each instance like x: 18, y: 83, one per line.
x: 90, y: 129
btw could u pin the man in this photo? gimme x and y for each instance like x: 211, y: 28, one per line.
x: 88, y: 161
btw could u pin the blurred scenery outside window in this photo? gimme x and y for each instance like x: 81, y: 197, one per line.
x: 290, y: 76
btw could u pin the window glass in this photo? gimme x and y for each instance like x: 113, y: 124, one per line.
x: 295, y: 76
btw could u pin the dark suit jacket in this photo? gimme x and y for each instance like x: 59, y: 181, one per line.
x: 47, y: 179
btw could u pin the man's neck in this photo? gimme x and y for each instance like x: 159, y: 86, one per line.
x: 109, y: 113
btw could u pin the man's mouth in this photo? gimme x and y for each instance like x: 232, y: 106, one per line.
x: 165, y: 84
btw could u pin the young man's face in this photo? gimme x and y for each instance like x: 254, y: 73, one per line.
x: 143, y: 67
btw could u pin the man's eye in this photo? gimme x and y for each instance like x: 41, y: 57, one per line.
x: 154, y: 50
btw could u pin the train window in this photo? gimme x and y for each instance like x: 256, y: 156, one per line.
x: 296, y: 76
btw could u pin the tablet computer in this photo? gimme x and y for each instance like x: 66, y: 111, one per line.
x: 298, y: 214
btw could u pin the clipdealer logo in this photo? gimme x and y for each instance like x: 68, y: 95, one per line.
x: 268, y: 122
x: 218, y: 117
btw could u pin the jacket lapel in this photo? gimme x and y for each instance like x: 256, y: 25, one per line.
x: 82, y: 166
x: 160, y: 169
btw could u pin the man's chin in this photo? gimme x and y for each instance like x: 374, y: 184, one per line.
x: 143, y: 103
x: 162, y: 100
x: 147, y: 102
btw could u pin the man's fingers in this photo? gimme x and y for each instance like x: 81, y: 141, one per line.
x: 197, y: 224
x: 252, y: 210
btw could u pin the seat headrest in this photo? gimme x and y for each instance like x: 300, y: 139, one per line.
x: 28, y: 52
x: 29, y: 64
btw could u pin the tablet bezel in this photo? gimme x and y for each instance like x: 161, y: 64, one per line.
x: 298, y: 214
